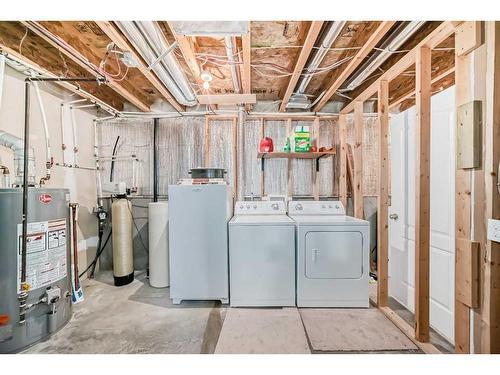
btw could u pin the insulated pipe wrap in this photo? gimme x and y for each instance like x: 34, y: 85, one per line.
x: 123, y: 258
x: 158, y: 245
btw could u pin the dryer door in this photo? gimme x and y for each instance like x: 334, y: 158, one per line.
x: 334, y: 255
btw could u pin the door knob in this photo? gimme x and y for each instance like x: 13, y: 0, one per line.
x: 393, y: 216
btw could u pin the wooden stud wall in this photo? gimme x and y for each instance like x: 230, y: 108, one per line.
x: 383, y: 195
x: 343, y: 160
x: 358, y: 160
x: 422, y: 192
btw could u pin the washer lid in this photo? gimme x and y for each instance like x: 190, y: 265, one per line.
x: 328, y: 220
x: 261, y: 219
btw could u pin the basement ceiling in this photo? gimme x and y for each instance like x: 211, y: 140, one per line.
x: 275, y: 47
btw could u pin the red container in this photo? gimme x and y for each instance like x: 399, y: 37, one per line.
x: 266, y: 145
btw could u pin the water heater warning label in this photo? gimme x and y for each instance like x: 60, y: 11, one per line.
x: 46, y: 260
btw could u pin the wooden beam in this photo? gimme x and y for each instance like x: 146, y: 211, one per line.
x: 227, y: 99
x: 122, y: 43
x: 436, y: 37
x: 490, y: 319
x: 411, y: 93
x: 462, y: 210
x: 66, y: 85
x: 469, y: 37
x: 383, y: 195
x: 187, y: 50
x: 408, y: 330
x: 422, y: 192
x: 246, y: 74
x: 289, y: 181
x: 311, y: 37
x: 358, y: 160
x: 262, y: 171
x: 62, y: 46
x: 343, y: 161
x: 315, y: 137
x: 206, y: 157
x: 374, y: 39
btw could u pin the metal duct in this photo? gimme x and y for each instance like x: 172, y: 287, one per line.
x: 231, y: 52
x: 149, y: 41
x: 395, y: 40
x: 332, y: 31
x: 16, y: 144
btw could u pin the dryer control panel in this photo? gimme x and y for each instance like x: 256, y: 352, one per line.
x: 316, y: 208
x: 260, y: 208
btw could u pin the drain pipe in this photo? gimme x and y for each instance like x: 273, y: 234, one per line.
x: 231, y: 51
x: 49, y: 161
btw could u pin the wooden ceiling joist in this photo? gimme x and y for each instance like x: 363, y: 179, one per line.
x: 247, y: 70
x: 312, y: 35
x: 66, y: 85
x: 187, y: 49
x: 374, y: 39
x: 61, y: 45
x: 437, y: 36
x: 121, y: 42
x: 410, y: 94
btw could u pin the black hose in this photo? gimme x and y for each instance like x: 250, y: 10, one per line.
x: 113, y: 160
x: 97, y: 255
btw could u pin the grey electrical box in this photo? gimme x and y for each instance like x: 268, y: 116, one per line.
x: 469, y: 135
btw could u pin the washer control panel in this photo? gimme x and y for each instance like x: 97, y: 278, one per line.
x: 260, y: 208
x: 316, y: 208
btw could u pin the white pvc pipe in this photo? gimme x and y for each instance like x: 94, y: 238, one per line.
x: 2, y: 75
x: 45, y: 128
x: 75, y: 142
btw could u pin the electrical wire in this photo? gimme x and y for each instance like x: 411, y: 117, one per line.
x: 138, y: 231
x: 22, y: 40
x: 96, y: 258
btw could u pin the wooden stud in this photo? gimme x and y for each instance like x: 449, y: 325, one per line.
x: 408, y: 330
x: 235, y: 155
x: 422, y: 192
x: 463, y: 212
x: 383, y: 195
x: 490, y: 319
x: 343, y: 161
x: 469, y: 37
x: 358, y: 161
x: 374, y: 39
x: 246, y: 69
x: 443, y: 31
x: 312, y: 35
x: 58, y: 43
x: 114, y: 34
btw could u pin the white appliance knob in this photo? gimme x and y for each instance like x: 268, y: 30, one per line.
x: 298, y: 207
x: 254, y: 206
x: 275, y: 206
x: 248, y: 206
x: 241, y: 207
x: 330, y: 206
x: 337, y: 206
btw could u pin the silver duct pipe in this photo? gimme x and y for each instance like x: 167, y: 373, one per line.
x: 148, y: 39
x: 395, y: 40
x: 330, y: 34
x: 16, y: 144
x: 231, y: 52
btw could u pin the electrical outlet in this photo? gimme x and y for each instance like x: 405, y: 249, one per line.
x: 494, y: 230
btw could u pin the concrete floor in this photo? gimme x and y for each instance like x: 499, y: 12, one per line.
x: 139, y: 319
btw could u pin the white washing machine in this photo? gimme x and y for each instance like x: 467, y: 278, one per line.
x: 261, y: 255
x: 332, y: 255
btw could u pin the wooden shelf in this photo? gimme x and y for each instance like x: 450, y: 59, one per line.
x: 295, y: 155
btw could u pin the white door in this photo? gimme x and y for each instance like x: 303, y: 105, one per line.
x: 402, y: 228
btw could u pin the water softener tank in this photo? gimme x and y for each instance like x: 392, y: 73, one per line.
x: 123, y: 258
x: 48, y: 266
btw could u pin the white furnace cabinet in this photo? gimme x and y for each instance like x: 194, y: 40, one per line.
x: 198, y: 217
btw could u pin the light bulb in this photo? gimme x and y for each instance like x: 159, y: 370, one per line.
x: 206, y: 85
